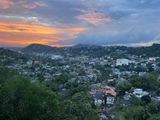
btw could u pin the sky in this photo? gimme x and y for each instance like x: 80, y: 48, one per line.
x: 62, y: 23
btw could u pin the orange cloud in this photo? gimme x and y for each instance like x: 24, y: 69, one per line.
x: 95, y: 18
x: 21, y: 39
x: 26, y: 28
x: 14, y: 42
x: 21, y: 34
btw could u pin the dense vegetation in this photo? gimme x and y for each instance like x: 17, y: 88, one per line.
x: 22, y: 99
x: 140, y: 108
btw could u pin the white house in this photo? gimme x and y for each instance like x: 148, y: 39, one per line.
x: 110, y: 99
x: 139, y: 93
x: 29, y: 63
x: 120, y: 62
x: 56, y: 57
x: 98, y: 102
x: 152, y: 59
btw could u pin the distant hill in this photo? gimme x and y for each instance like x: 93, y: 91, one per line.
x: 7, y: 52
x: 83, y: 49
x: 85, y: 46
x: 38, y: 48
x: 153, y: 50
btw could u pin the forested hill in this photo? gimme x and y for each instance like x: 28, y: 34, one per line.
x: 153, y: 50
x: 39, y: 48
x: 90, y: 50
x: 8, y: 53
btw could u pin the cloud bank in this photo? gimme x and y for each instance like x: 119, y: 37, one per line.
x: 68, y: 22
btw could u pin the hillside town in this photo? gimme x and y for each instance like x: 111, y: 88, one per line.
x: 111, y: 80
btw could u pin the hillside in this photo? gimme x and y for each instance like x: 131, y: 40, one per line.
x: 38, y: 48
x: 9, y: 53
x: 153, y: 50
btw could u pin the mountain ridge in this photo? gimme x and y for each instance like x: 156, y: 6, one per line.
x: 153, y: 50
x: 37, y: 48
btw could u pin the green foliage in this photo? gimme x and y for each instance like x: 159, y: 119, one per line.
x: 124, y: 87
x: 82, y: 72
x: 146, y: 99
x: 23, y: 100
x: 132, y: 113
x: 139, y: 111
x: 6, y: 74
x: 153, y: 108
x: 79, y: 107
x: 147, y: 82
x: 76, y: 89
x: 136, y: 101
x: 155, y: 117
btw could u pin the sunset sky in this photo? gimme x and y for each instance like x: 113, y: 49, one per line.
x: 69, y: 22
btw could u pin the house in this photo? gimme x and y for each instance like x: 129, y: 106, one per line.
x: 142, y: 73
x: 139, y: 93
x: 105, y: 95
x: 120, y: 62
x: 56, y: 57
x: 152, y: 59
x: 110, y: 80
x: 29, y: 63
x: 99, y: 98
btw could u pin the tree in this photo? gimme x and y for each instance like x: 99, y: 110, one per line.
x: 146, y: 99
x: 78, y: 108
x: 23, y: 100
x: 155, y: 117
x: 124, y: 87
x: 149, y: 82
x: 134, y: 113
x: 153, y: 108
x: 6, y: 73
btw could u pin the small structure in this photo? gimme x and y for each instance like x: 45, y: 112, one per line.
x: 123, y: 61
x: 99, y: 98
x: 56, y: 57
x: 105, y: 95
x: 152, y: 59
x: 29, y: 63
x: 139, y: 93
